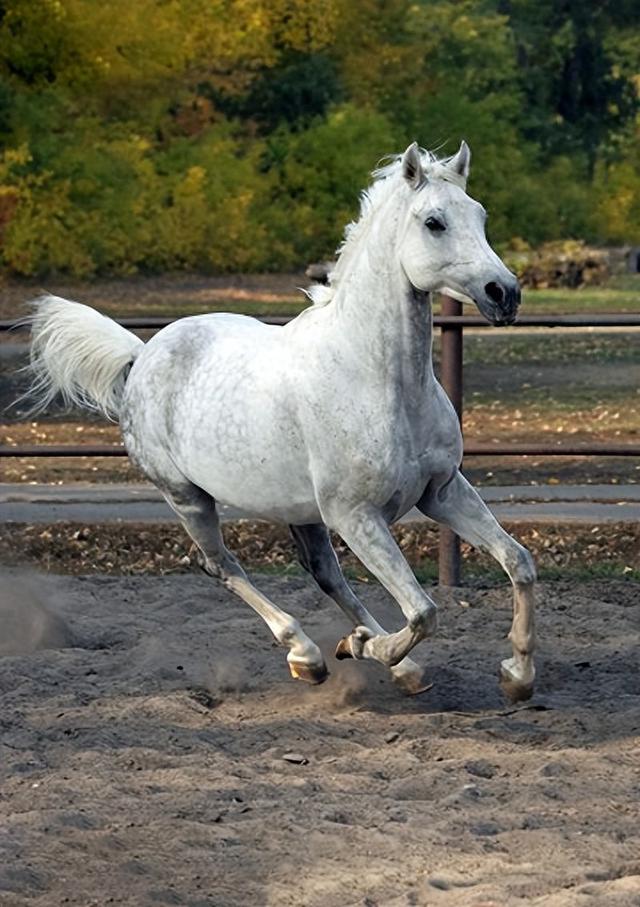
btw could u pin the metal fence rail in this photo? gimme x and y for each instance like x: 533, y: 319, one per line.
x: 448, y: 318
x: 470, y: 450
x: 452, y: 323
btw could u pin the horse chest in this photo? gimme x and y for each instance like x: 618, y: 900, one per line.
x: 417, y: 434
x: 388, y: 455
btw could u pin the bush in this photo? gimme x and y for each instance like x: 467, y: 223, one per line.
x: 117, y: 205
x: 107, y: 200
x: 317, y: 178
x: 616, y: 212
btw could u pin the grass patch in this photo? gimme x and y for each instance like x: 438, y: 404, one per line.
x: 620, y: 294
x: 550, y: 349
x: 604, y: 570
x: 591, y: 408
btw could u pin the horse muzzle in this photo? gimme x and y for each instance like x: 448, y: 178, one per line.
x: 501, y: 301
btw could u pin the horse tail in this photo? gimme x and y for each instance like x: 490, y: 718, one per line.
x: 78, y: 353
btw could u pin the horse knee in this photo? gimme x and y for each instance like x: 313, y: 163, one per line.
x: 523, y: 570
x: 223, y: 566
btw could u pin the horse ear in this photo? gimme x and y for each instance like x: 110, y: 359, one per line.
x: 461, y: 161
x: 412, y: 166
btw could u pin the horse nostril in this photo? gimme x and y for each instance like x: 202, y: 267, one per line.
x: 495, y: 292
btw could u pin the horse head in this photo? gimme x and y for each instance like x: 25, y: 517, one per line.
x: 443, y: 245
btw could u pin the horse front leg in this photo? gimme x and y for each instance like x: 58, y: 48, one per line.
x: 458, y: 505
x: 367, y: 534
x: 317, y: 556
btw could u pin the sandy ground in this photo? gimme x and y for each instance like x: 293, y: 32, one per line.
x: 145, y: 723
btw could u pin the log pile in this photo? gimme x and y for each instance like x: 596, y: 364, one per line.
x: 568, y: 263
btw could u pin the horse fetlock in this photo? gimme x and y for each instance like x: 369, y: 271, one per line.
x: 519, y: 667
x: 389, y: 650
x: 301, y: 649
x: 207, y: 566
x: 290, y: 635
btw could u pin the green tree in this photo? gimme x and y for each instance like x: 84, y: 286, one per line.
x: 237, y: 134
x: 577, y: 70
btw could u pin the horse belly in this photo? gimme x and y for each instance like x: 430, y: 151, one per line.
x: 211, y: 402
x: 262, y: 484
x: 245, y: 450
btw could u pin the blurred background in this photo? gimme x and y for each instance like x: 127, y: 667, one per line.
x: 235, y: 135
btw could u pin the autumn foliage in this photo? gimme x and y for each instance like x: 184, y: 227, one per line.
x: 223, y: 135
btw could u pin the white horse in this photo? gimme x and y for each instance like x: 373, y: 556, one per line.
x: 334, y: 421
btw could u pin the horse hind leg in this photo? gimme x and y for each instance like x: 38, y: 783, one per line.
x: 317, y: 556
x: 197, y: 512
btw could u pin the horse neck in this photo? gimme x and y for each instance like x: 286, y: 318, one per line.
x: 386, y: 321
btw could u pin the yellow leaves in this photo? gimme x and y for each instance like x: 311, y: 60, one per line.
x: 55, y: 9
x: 527, y: 423
x: 101, y: 63
x: 617, y: 192
x: 304, y: 26
x: 194, y: 179
x: 226, y: 43
x: 14, y: 157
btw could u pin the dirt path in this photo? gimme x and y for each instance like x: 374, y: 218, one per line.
x: 142, y: 756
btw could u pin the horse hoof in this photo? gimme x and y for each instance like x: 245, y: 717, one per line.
x: 314, y: 674
x: 516, y: 680
x: 412, y: 684
x: 352, y: 646
x: 343, y: 649
x: 516, y: 692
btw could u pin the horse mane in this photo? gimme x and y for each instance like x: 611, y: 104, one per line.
x: 386, y: 179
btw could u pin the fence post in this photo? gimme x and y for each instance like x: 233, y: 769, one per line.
x: 449, y: 572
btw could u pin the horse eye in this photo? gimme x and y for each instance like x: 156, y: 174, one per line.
x: 435, y: 225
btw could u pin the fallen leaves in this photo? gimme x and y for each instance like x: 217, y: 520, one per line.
x: 131, y: 548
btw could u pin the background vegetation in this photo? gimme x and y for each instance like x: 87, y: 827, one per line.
x: 222, y: 135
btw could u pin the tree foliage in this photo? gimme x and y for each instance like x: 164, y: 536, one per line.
x: 236, y: 134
